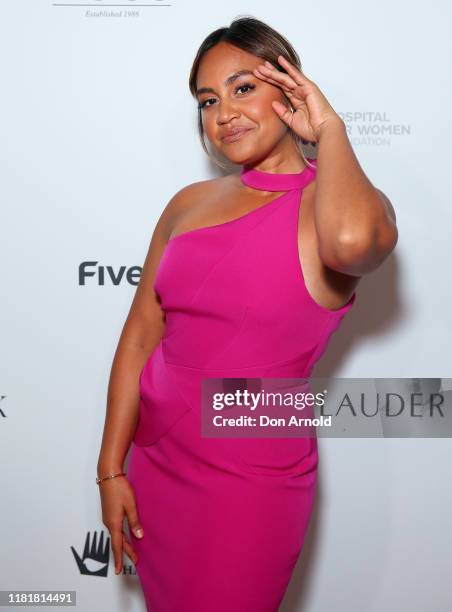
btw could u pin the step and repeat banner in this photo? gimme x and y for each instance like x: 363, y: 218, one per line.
x: 98, y: 132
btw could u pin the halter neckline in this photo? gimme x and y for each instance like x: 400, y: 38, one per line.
x: 273, y: 181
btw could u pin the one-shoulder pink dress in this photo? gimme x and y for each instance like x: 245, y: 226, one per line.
x: 224, y: 524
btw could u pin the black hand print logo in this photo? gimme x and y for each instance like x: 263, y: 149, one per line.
x: 94, y: 561
x: 2, y: 397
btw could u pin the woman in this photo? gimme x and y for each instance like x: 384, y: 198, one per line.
x: 246, y: 276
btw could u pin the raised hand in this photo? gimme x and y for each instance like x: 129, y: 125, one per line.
x: 312, y: 111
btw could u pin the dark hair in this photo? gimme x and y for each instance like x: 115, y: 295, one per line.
x: 256, y: 37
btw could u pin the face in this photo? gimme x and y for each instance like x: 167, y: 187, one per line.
x: 239, y: 103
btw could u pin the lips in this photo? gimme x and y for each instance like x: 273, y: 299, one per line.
x: 235, y: 135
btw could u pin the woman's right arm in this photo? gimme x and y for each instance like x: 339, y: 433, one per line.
x: 141, y: 333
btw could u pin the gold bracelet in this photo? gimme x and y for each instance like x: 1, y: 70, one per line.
x: 99, y: 480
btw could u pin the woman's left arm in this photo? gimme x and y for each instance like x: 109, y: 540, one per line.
x: 355, y: 221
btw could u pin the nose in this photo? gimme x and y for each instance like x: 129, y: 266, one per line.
x: 226, y: 111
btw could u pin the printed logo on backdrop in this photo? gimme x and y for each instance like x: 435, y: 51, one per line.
x: 94, y: 559
x: 92, y: 272
x: 374, y: 128
x: 123, y: 11
x: 326, y: 407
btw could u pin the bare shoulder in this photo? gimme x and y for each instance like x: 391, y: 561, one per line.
x: 185, y: 196
x: 195, y: 200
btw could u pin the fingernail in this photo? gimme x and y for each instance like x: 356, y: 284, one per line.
x: 139, y: 533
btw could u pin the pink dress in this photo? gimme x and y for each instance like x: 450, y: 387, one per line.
x: 224, y: 520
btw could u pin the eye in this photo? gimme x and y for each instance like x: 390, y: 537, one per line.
x: 249, y: 86
x: 204, y: 104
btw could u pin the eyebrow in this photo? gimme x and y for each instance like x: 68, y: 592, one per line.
x: 228, y: 81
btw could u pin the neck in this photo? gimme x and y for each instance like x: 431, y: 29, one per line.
x: 278, y: 181
x: 284, y: 157
x: 287, y: 166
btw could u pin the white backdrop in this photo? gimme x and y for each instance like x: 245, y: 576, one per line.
x: 98, y: 131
